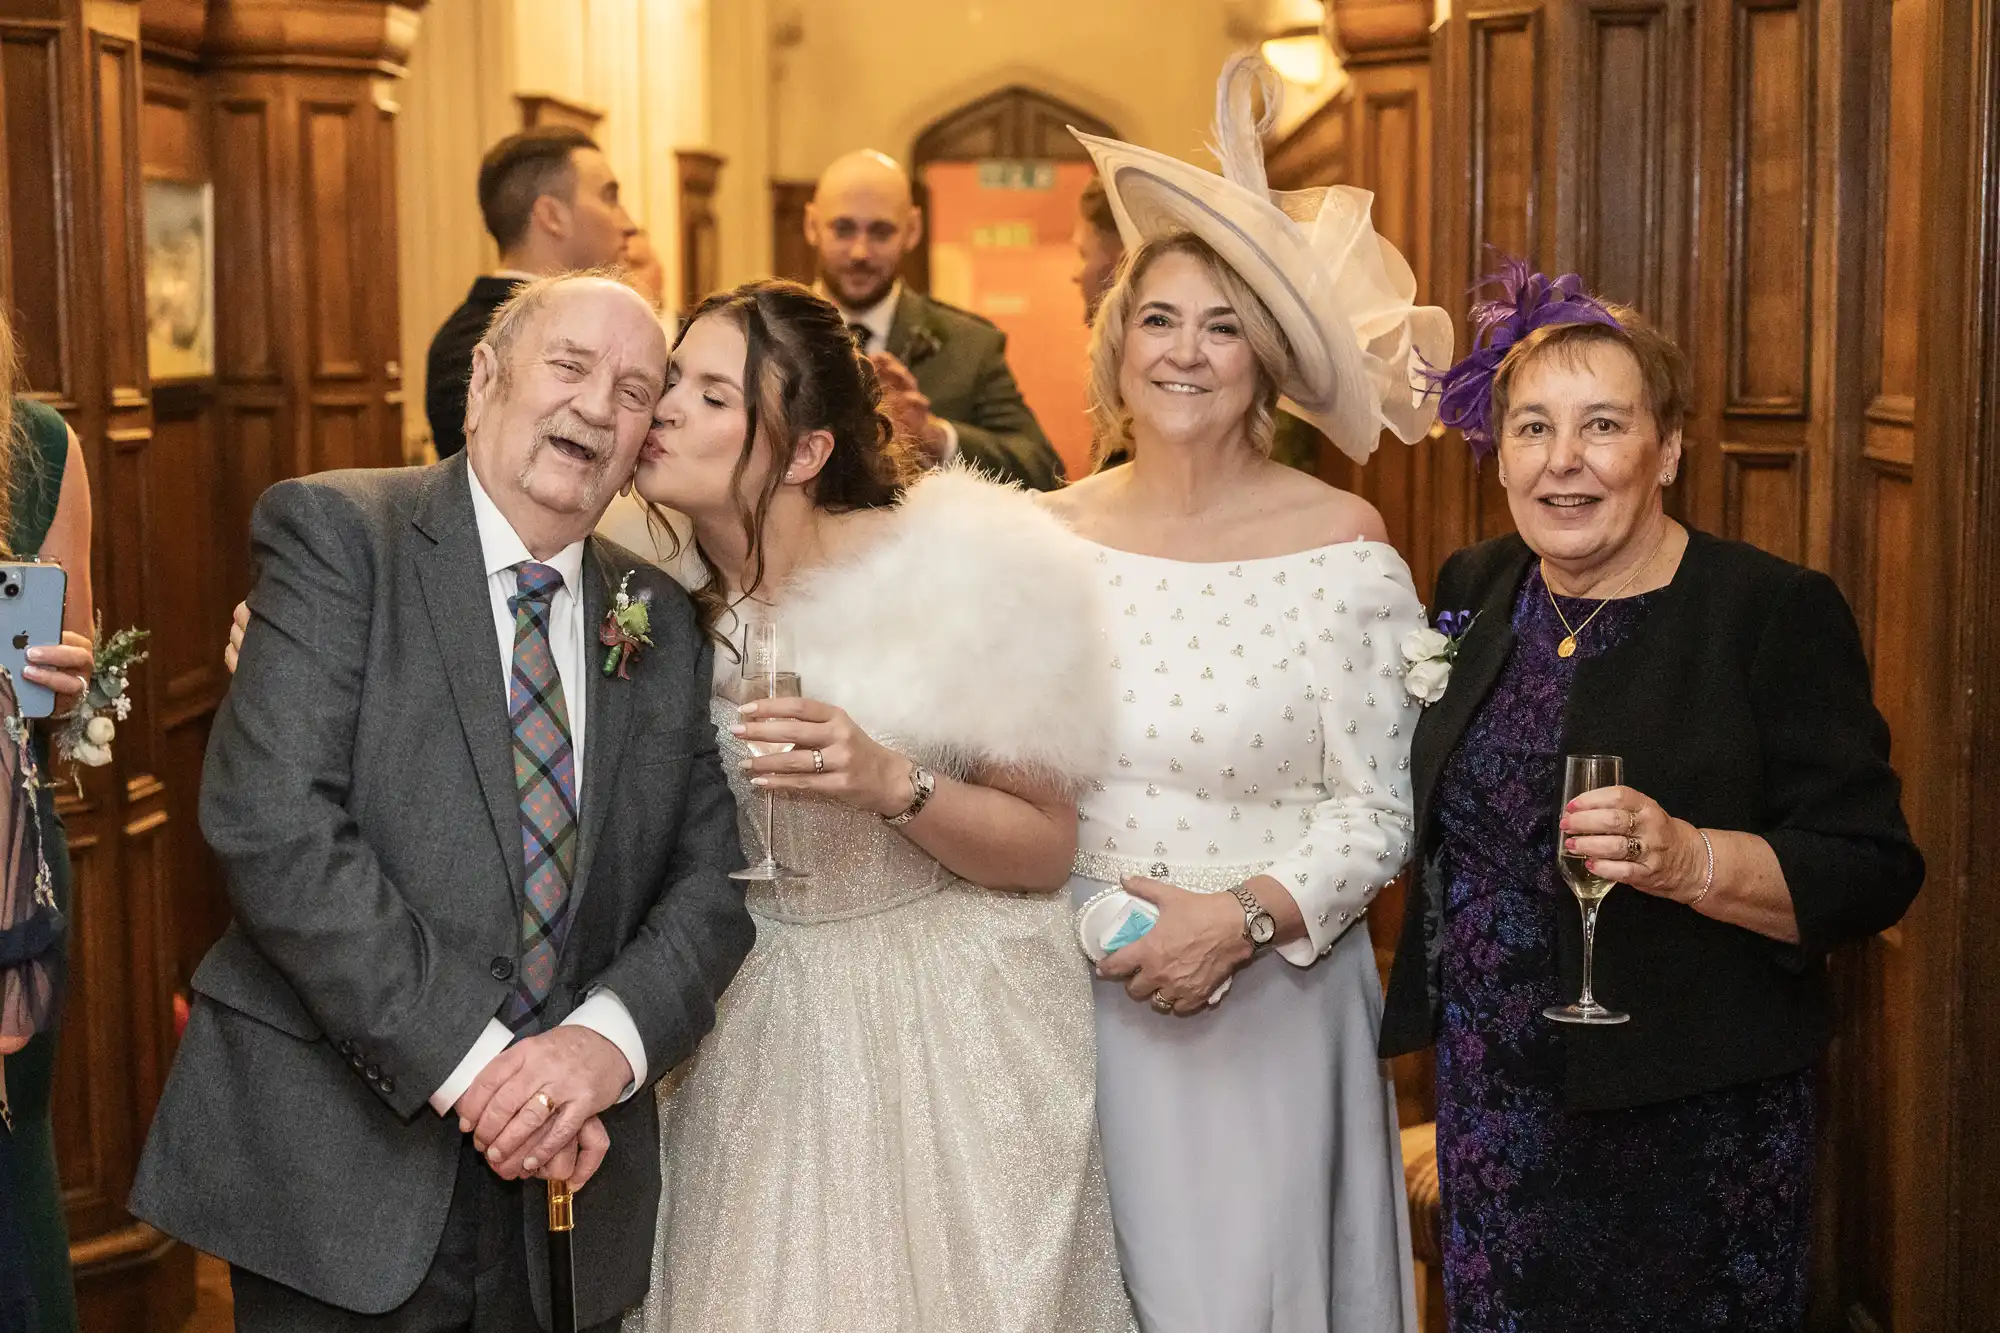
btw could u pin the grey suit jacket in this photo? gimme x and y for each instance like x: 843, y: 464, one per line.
x: 359, y: 793
x: 960, y: 362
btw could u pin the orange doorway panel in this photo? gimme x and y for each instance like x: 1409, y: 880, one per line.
x: 1000, y: 247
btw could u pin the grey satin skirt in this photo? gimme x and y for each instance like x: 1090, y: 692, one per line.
x: 1255, y: 1166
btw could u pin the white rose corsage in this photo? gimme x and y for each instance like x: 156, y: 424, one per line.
x: 88, y: 729
x: 1429, y: 653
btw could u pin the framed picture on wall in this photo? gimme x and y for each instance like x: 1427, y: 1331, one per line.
x: 180, y: 279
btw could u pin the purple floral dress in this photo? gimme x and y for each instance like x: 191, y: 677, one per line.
x: 1689, y: 1214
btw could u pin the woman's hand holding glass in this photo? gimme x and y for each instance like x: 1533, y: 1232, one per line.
x: 1626, y: 837
x: 830, y: 756
x: 1196, y: 945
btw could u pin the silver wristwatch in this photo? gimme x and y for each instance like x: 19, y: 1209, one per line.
x: 923, y: 782
x: 1259, y: 926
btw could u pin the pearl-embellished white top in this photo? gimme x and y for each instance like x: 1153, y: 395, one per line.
x: 1262, y: 728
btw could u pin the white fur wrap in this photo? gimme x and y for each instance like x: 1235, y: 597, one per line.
x: 968, y: 635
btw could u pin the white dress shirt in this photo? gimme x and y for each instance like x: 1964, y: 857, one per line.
x: 502, y: 549
x: 878, y: 319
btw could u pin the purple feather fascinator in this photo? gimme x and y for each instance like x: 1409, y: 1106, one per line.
x: 1527, y: 301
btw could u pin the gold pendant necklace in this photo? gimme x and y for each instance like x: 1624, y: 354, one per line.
x: 1567, y: 648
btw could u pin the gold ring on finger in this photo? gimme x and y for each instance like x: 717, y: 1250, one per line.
x: 1631, y: 821
x: 819, y: 761
x: 1634, y: 849
x: 1161, y: 1004
x: 547, y: 1105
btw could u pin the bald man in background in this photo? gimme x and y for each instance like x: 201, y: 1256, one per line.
x: 944, y: 370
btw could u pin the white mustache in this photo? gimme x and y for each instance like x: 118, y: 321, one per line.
x: 565, y: 423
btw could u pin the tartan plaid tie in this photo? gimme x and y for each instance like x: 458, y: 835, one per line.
x: 545, y: 778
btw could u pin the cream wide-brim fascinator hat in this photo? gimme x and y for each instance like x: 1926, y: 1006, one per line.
x: 1344, y: 296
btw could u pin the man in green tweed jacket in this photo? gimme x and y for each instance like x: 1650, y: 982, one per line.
x: 944, y: 370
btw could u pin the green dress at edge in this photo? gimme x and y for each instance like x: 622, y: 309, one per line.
x: 42, y: 449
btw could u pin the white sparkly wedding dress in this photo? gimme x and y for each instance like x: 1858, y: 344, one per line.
x: 891, y: 1128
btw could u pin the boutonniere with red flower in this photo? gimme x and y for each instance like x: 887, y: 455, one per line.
x: 924, y: 345
x: 627, y: 627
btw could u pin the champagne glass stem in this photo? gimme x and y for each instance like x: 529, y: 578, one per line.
x: 1587, y: 1000
x: 770, y: 827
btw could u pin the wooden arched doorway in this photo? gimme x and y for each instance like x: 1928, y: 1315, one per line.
x: 999, y: 181
x: 1016, y: 123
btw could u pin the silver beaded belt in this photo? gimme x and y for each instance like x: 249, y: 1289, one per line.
x: 1200, y: 878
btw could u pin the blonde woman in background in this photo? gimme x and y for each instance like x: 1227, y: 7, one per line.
x: 47, y: 510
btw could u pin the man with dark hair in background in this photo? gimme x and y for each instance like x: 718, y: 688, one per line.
x: 550, y: 202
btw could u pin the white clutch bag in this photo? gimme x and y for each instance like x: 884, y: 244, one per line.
x: 1113, y: 919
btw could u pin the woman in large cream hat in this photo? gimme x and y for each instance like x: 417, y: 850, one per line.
x: 1260, y: 795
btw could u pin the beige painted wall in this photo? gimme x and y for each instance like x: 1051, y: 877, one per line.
x: 874, y: 73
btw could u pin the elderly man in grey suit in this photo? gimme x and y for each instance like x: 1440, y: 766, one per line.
x: 944, y: 370
x: 480, y: 884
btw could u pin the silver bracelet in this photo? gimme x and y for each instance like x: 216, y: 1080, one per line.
x: 1708, y: 880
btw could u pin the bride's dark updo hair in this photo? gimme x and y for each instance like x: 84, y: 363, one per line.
x: 808, y: 375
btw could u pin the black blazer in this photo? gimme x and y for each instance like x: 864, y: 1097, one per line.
x: 1741, y: 702
x: 448, y: 368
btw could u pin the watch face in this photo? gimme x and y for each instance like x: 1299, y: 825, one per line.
x: 1262, y: 928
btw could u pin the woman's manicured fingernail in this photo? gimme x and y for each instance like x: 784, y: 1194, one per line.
x: 748, y: 710
x: 744, y: 764
x: 530, y: 1163
x: 1569, y: 844
x: 759, y: 782
x: 738, y: 730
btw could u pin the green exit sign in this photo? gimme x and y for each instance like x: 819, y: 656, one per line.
x: 1009, y: 174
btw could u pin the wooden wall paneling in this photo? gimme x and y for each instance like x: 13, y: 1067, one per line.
x: 386, y: 284
x: 1634, y: 67
x: 1509, y: 132
x: 1453, y: 492
x: 700, y: 244
x: 34, y: 117
x: 1315, y: 151
x: 1879, y: 1210
x: 1939, y: 1096
x: 1770, y: 199
x: 115, y: 98
x: 791, y: 257
x: 1967, y: 129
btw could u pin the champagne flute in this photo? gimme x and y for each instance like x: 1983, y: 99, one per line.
x: 767, y: 673
x: 1582, y: 773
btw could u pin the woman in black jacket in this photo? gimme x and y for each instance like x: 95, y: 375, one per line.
x: 1654, y: 1174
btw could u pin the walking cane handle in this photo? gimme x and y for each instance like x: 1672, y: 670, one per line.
x: 562, y: 1206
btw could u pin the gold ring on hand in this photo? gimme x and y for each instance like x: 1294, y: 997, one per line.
x: 548, y: 1107
x: 1634, y: 849
x: 1161, y: 1004
x: 819, y: 761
